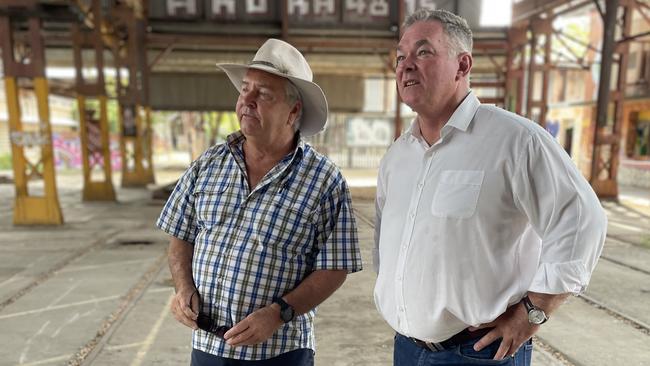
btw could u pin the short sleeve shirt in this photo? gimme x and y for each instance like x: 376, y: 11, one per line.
x: 253, y: 246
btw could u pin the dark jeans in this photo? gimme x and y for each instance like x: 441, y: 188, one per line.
x: 407, y: 353
x: 299, y: 357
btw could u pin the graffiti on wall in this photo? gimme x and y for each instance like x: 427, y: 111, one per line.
x: 67, y: 151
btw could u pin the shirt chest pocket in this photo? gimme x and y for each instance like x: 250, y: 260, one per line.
x: 212, y: 205
x: 457, y: 193
x: 286, y: 226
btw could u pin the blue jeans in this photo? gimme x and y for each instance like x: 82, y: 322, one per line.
x: 407, y: 353
x: 299, y: 357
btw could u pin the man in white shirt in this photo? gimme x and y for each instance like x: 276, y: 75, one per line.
x: 484, y: 225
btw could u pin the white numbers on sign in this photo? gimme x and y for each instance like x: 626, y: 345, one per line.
x: 301, y: 5
x: 256, y: 6
x: 413, y: 5
x: 324, y: 7
x: 219, y: 5
x: 173, y: 7
x: 363, y: 7
x: 356, y: 5
x: 379, y: 8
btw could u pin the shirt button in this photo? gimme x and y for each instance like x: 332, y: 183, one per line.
x: 420, y: 185
x: 412, y: 215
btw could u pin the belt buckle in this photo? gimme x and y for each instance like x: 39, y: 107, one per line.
x: 431, y: 346
x: 434, y: 347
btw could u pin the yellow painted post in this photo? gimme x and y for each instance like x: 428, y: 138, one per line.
x: 95, y: 190
x: 133, y: 171
x: 148, y: 143
x: 15, y: 129
x: 29, y: 209
x: 33, y: 210
x: 95, y: 144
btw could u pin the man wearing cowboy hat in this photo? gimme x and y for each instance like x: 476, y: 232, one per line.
x: 262, y: 225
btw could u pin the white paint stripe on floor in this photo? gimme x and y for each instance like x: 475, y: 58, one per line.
x: 627, y: 227
x: 28, y: 344
x: 123, y: 346
x: 45, y: 361
x: 635, y: 199
x: 142, y: 352
x: 95, y: 266
x: 62, y: 306
x: 56, y: 301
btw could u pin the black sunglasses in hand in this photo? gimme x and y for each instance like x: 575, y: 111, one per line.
x: 206, y: 323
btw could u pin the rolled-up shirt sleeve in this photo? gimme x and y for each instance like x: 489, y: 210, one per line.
x: 564, y: 211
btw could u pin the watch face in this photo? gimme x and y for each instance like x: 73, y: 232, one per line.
x: 536, y: 316
x: 286, y: 314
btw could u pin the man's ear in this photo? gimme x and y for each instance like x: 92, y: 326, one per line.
x: 464, y: 65
x: 295, y: 112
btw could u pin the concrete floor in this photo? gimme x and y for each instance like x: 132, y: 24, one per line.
x: 96, y: 291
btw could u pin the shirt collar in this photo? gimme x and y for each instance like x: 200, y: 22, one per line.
x: 464, y: 113
x: 237, y: 138
x: 235, y: 144
x: 460, y: 119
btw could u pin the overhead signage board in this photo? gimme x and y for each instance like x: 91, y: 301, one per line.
x: 303, y: 13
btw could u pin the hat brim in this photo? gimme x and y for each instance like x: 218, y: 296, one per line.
x: 314, y: 103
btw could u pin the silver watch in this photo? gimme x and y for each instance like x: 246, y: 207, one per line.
x: 536, y: 315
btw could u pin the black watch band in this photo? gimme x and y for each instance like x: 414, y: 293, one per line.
x: 287, y: 313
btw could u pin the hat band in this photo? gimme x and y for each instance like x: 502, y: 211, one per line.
x: 266, y: 63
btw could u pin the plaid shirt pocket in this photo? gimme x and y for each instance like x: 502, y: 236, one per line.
x: 213, y: 205
x: 285, y: 228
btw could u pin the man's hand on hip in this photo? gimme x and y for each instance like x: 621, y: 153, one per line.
x: 512, y: 327
x: 255, y: 328
x: 185, y: 306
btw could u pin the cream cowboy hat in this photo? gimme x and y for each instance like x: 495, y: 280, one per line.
x: 280, y: 58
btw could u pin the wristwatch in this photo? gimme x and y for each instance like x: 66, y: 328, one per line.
x: 287, y: 313
x: 536, y: 315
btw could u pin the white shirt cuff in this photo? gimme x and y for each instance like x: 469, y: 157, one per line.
x: 559, y: 278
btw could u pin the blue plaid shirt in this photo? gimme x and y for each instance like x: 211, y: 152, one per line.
x: 250, y: 247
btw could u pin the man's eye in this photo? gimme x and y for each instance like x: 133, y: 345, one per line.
x: 399, y: 59
x: 422, y: 52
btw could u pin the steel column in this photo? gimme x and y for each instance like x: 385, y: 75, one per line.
x: 135, y: 117
x: 95, y: 142
x: 30, y: 209
x: 607, y: 132
x: 539, y: 27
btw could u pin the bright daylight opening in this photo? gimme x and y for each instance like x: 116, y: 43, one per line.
x: 496, y: 13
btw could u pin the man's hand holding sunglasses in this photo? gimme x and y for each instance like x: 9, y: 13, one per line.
x: 185, y: 306
x: 256, y: 327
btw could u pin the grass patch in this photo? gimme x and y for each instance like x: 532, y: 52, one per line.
x: 5, y: 161
x: 645, y: 241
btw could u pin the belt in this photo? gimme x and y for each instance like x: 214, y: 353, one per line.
x: 458, y: 338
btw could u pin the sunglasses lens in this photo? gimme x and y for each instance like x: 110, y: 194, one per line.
x: 204, y: 322
x: 208, y: 324
x: 221, y: 331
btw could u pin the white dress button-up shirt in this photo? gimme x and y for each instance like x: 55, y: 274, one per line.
x: 464, y: 228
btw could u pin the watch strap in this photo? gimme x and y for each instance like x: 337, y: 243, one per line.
x: 283, y: 308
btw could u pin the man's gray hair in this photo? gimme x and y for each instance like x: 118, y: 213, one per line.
x: 292, y: 95
x: 456, y: 28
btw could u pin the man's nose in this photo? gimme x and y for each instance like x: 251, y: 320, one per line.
x: 249, y: 98
x: 407, y: 63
